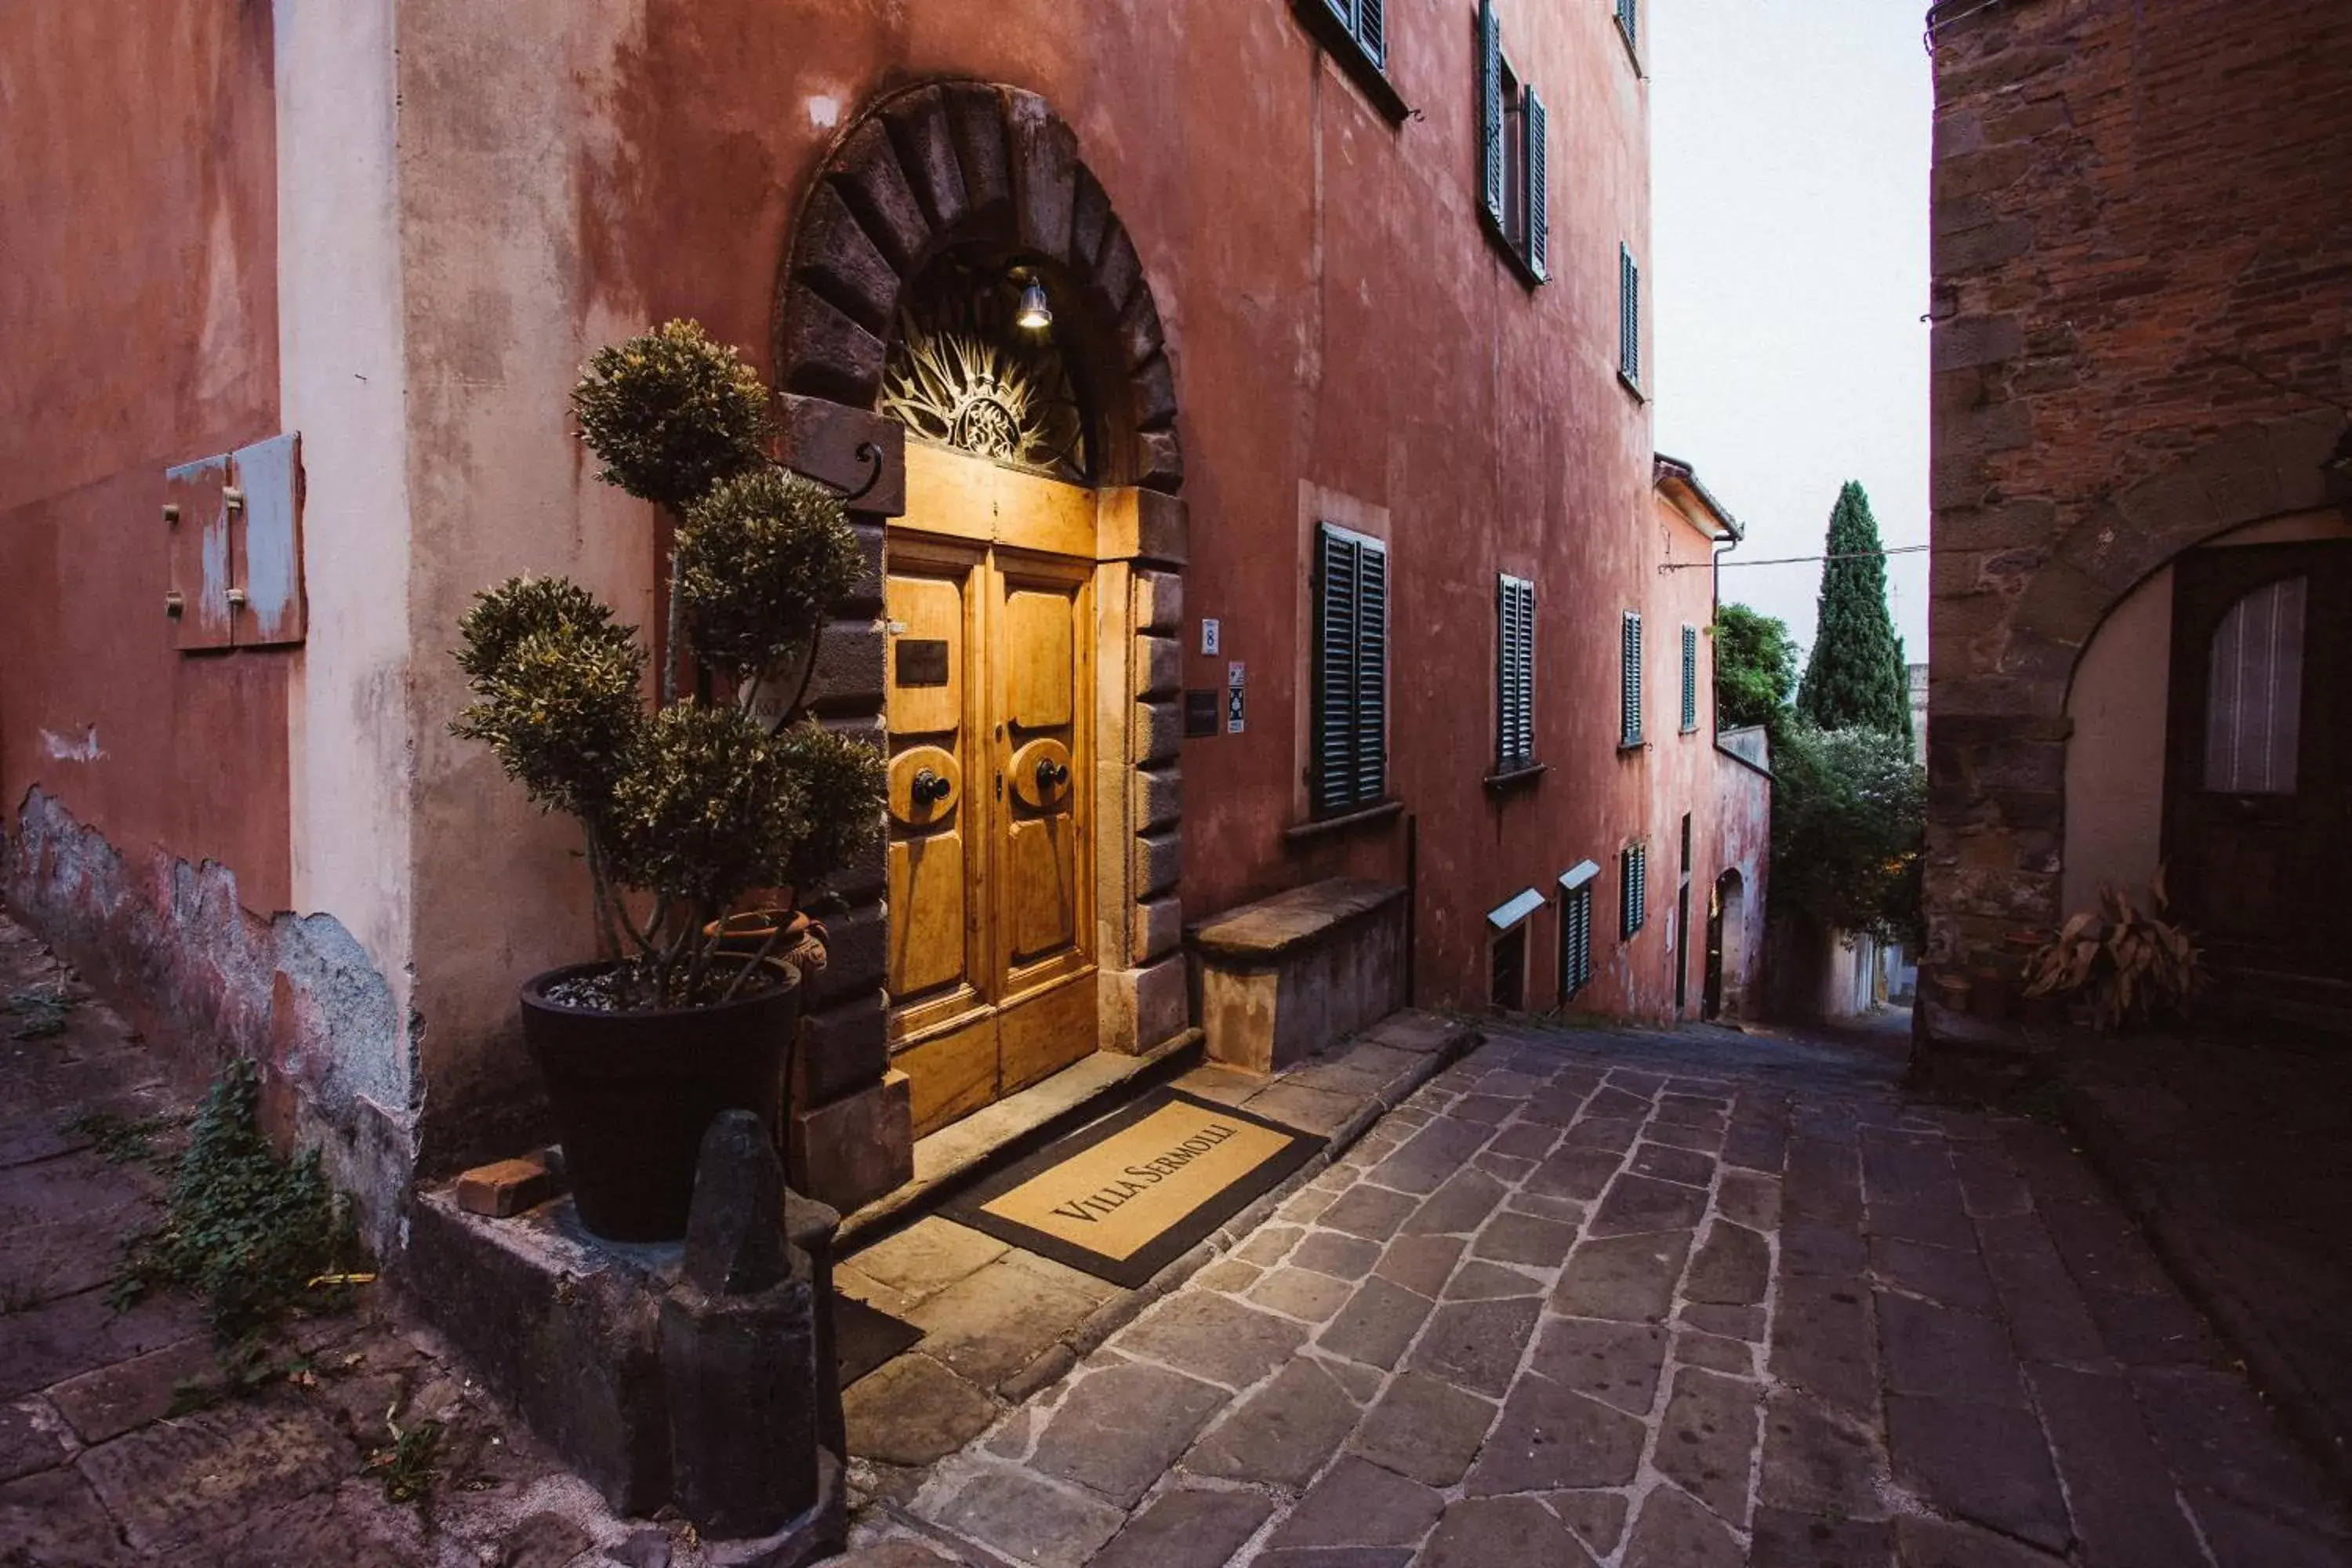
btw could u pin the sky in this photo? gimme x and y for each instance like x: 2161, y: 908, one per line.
x: 1788, y: 271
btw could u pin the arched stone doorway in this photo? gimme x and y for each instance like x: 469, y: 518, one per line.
x: 1018, y: 484
x: 1727, y: 940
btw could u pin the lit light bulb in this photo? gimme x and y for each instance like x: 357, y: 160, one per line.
x: 1035, y: 314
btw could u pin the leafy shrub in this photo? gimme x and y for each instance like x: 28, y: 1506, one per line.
x: 242, y: 1228
x: 671, y: 413
x: 1849, y: 826
x: 2118, y: 965
x: 697, y: 803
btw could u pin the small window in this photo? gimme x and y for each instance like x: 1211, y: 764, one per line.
x: 1629, y: 318
x: 1356, y: 32
x: 1687, y: 816
x: 1629, y: 25
x: 2253, y: 707
x: 1630, y: 680
x: 1515, y: 671
x: 1513, y: 175
x: 1575, y: 940
x: 1350, y: 764
x: 1508, y: 984
x: 1690, y: 679
x: 1634, y: 888
x: 1364, y: 23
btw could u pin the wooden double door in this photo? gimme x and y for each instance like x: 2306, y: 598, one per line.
x: 991, y: 976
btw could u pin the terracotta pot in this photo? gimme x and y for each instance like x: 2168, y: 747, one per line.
x: 633, y: 1092
x: 746, y: 931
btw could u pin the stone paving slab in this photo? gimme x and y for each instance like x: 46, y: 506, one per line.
x: 97, y: 1467
x: 1873, y: 1333
x: 1001, y: 1322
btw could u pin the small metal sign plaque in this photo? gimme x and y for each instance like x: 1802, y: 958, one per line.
x: 1200, y: 714
x: 922, y: 661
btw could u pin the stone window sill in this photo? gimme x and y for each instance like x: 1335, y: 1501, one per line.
x: 1517, y: 776
x: 1359, y: 816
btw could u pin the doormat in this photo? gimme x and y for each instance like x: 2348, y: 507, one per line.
x: 865, y: 1337
x: 1123, y: 1198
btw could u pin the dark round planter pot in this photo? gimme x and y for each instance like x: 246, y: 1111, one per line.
x: 633, y: 1092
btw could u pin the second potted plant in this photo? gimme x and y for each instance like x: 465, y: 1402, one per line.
x: 713, y: 793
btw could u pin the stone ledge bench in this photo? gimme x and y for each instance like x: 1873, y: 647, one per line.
x: 1282, y: 978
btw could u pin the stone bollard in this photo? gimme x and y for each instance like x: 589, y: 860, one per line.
x: 742, y: 1338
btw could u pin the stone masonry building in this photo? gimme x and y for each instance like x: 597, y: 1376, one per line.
x: 2142, y: 265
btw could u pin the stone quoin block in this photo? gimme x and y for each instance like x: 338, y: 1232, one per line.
x: 866, y: 170
x: 1139, y: 329
x: 1044, y: 156
x: 848, y: 674
x: 1159, y: 928
x: 1158, y: 798
x: 975, y: 116
x: 840, y: 260
x: 1152, y: 386
x: 1158, y: 665
x: 1144, y: 1006
x: 840, y: 1050
x: 849, y: 1153
x: 1159, y: 602
x: 926, y: 155
x: 1143, y: 524
x: 826, y: 354
x: 1159, y: 460
x: 1117, y: 271
x: 1158, y: 731
x: 1974, y: 339
x: 855, y: 450
x: 855, y: 943
x: 1159, y: 860
x: 1089, y: 219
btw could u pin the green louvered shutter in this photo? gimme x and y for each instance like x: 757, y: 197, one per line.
x: 1539, y: 185
x: 1630, y: 680
x: 1634, y: 888
x: 1629, y: 316
x: 1490, y: 113
x: 1629, y: 17
x: 1515, y: 615
x: 1371, y: 29
x: 1344, y: 13
x: 1576, y: 942
x: 1335, y: 668
x: 1371, y: 663
x: 1690, y: 678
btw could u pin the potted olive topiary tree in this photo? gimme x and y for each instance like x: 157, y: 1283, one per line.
x: 721, y: 790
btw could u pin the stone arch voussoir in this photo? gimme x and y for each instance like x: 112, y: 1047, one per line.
x: 954, y: 164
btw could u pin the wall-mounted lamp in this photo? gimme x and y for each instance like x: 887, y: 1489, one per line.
x: 1035, y: 312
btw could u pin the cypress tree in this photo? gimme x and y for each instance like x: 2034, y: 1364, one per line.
x: 1854, y: 677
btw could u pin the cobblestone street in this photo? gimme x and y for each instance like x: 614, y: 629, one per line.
x: 1645, y: 1300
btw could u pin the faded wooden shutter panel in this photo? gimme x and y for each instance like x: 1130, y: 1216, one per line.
x: 1335, y: 668
x: 1371, y: 28
x: 1690, y: 678
x: 1490, y: 112
x: 1539, y: 185
x: 1515, y: 672
x: 1371, y: 659
x: 1629, y: 315
x: 1629, y: 690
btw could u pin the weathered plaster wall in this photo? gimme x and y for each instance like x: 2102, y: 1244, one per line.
x: 2139, y: 250
x: 1335, y: 315
x: 137, y: 305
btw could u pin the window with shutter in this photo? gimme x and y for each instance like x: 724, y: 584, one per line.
x: 1514, y: 673
x: 1629, y: 25
x: 1514, y: 191
x: 1629, y: 317
x: 1690, y: 679
x: 1634, y: 888
x: 1630, y: 680
x: 1575, y: 940
x: 1539, y: 192
x: 1490, y: 113
x: 1357, y: 34
x: 1348, y: 766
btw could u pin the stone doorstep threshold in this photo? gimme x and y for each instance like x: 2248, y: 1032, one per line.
x: 988, y: 1140
x: 1436, y: 1042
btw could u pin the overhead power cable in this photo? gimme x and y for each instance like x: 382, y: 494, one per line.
x: 1793, y: 560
